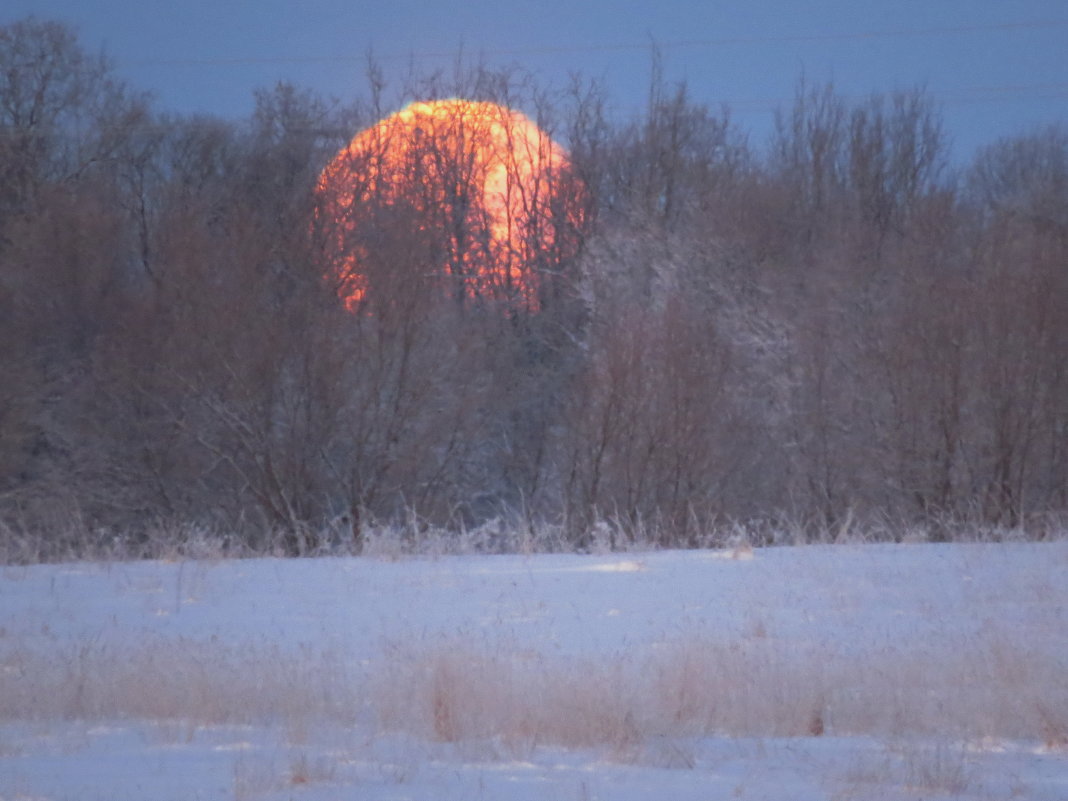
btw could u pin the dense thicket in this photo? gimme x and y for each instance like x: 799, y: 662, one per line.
x: 842, y: 328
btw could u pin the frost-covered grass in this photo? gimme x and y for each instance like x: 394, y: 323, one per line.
x: 821, y: 672
x: 74, y: 541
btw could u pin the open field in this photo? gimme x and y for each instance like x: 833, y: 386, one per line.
x: 819, y: 672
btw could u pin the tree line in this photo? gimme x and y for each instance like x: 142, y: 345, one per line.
x: 845, y: 328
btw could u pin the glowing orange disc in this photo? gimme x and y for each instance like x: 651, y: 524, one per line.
x: 488, y: 191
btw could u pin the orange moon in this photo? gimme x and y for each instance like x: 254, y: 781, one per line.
x: 490, y: 193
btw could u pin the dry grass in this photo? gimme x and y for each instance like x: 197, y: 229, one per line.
x: 756, y: 687
x: 455, y: 691
x: 921, y: 768
x: 256, y: 776
x: 199, y: 683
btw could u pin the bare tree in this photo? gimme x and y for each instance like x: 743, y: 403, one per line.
x: 62, y: 113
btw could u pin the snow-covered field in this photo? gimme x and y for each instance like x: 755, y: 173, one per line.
x: 820, y: 672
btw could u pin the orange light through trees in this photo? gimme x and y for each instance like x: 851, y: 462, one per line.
x: 471, y: 195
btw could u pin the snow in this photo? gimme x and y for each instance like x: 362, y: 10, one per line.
x: 819, y: 672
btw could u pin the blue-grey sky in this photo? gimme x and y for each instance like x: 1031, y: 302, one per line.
x: 996, y: 68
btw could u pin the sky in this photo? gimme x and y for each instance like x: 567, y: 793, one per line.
x: 994, y: 68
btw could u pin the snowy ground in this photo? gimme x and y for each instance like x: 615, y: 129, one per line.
x: 820, y: 672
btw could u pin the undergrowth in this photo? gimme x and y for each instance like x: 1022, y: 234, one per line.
x: 74, y: 542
